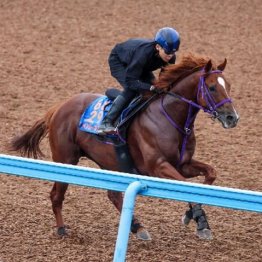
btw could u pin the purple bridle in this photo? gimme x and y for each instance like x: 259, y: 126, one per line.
x: 210, y: 109
x: 204, y: 92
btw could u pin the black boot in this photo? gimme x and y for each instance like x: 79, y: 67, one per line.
x: 107, y: 125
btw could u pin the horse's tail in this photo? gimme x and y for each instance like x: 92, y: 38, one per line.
x: 28, y: 144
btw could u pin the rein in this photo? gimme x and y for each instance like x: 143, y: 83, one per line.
x: 210, y: 109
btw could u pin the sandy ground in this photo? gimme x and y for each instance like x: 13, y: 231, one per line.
x: 51, y: 50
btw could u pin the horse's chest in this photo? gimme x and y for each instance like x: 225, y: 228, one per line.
x: 180, y: 151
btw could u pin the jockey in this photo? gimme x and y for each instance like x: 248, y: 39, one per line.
x: 132, y: 63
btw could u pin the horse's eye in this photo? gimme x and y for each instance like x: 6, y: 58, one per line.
x: 212, y: 88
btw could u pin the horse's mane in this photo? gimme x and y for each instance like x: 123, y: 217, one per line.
x: 174, y: 72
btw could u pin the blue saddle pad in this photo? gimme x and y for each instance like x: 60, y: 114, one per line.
x: 94, y: 114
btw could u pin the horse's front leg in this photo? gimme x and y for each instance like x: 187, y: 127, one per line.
x: 190, y: 170
x: 166, y: 170
x: 136, y: 227
x: 197, y: 213
x: 196, y: 168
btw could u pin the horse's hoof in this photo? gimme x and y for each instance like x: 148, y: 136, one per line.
x: 142, y: 234
x: 61, y: 232
x: 204, y: 234
x: 185, y: 220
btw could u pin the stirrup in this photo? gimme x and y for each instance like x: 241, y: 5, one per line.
x: 104, y: 129
x: 110, y: 130
x: 104, y: 132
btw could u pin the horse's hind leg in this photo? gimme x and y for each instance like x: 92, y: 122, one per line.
x: 69, y: 155
x: 136, y: 227
x: 57, y: 196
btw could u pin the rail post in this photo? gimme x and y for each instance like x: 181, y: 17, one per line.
x: 125, y: 220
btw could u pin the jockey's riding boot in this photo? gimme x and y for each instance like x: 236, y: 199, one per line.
x: 107, y: 125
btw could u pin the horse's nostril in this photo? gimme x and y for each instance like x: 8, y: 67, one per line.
x: 230, y: 118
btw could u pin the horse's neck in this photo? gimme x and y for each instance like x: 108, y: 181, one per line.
x: 186, y: 88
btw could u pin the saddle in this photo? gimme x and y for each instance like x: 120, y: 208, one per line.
x: 95, y: 113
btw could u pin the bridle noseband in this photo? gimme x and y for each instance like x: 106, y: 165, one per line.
x: 203, y: 92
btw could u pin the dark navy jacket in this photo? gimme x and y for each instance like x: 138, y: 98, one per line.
x: 139, y: 57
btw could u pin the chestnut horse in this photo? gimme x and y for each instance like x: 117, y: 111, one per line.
x: 161, y: 137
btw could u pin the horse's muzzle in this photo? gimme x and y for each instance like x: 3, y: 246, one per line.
x: 228, y: 119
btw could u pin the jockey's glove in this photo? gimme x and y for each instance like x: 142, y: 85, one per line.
x: 155, y: 90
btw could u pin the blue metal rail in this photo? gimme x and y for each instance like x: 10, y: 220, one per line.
x: 132, y: 185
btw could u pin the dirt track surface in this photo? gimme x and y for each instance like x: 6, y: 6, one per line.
x: 51, y: 50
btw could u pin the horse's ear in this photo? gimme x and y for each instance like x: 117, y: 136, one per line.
x: 208, y: 66
x: 222, y: 66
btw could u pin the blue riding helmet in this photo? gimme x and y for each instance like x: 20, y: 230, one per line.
x: 169, y: 39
